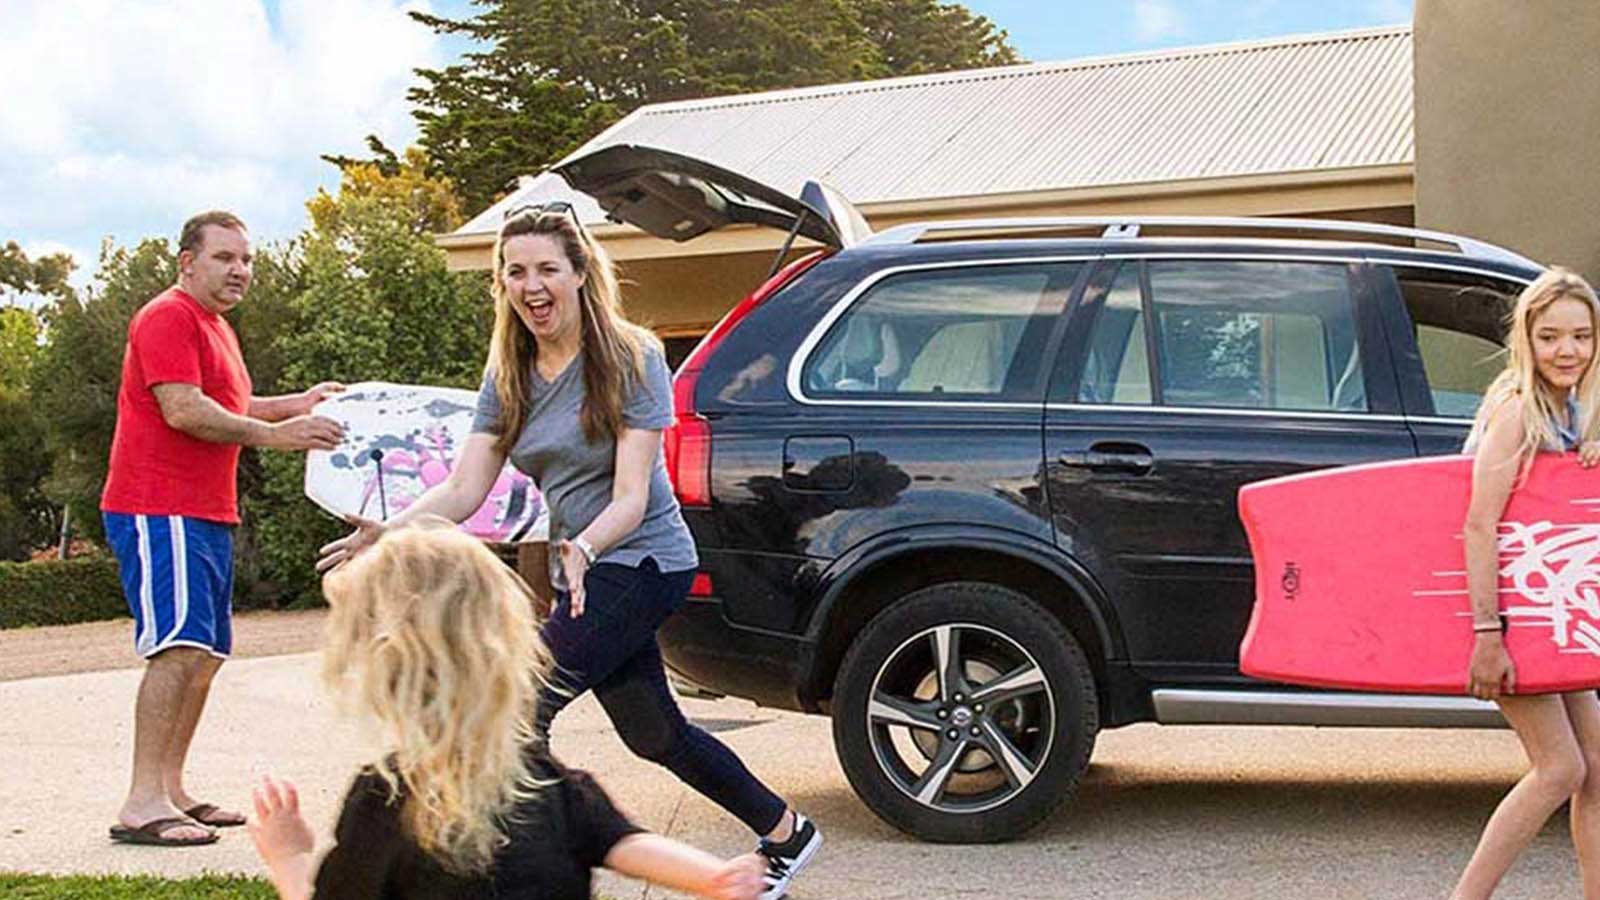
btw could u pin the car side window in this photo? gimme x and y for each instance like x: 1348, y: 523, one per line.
x: 1256, y: 335
x: 1117, y: 366
x: 969, y: 333
x: 1460, y: 325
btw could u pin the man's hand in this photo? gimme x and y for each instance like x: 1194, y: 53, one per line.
x: 311, y: 396
x: 1491, y: 672
x: 304, y: 433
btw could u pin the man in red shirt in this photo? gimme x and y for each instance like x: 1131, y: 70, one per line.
x: 184, y: 410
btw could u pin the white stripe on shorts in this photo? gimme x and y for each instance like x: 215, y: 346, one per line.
x: 146, y: 641
x: 180, y: 577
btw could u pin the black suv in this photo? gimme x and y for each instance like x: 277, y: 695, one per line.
x: 969, y: 487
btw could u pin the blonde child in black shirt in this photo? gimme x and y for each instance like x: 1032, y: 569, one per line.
x: 434, y: 639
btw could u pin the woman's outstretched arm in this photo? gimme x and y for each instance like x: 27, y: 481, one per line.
x: 455, y: 498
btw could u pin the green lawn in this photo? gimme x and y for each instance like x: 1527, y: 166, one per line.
x: 123, y: 887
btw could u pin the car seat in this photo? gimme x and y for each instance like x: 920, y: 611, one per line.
x: 966, y: 357
x: 869, y: 356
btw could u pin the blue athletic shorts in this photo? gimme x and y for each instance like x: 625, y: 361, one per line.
x: 177, y: 575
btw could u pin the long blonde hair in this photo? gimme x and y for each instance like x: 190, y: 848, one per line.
x: 434, y: 638
x: 612, y: 347
x: 1521, y: 379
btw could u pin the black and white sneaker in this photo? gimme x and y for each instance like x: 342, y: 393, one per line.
x: 786, y: 859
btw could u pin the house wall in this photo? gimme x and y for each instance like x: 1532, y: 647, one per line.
x: 1508, y: 125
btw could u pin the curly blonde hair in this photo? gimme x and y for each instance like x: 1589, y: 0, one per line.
x: 434, y: 638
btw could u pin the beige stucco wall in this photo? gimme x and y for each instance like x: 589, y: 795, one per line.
x: 685, y: 296
x: 1508, y: 124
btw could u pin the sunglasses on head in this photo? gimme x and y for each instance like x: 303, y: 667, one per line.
x: 556, y: 207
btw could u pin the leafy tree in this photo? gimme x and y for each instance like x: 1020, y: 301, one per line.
x: 46, y: 276
x: 917, y: 37
x: 79, y: 370
x: 76, y: 377
x: 376, y: 302
x: 557, y: 72
x: 27, y: 519
x: 19, y: 346
x: 266, y: 314
x: 363, y: 295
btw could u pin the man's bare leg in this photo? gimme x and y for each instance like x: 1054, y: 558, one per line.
x: 193, y: 704
x: 167, y: 676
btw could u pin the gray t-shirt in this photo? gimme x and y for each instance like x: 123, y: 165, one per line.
x: 575, y: 476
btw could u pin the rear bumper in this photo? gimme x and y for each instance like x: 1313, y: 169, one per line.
x: 703, y: 646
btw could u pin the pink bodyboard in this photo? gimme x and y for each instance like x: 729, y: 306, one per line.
x: 1361, y: 577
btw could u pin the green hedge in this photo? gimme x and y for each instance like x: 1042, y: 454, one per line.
x: 60, y: 592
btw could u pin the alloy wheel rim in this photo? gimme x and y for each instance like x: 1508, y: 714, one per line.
x: 961, y: 718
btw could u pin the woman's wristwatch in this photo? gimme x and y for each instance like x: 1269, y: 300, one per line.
x: 586, y: 548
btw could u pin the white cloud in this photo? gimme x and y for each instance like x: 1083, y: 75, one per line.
x: 123, y: 118
x: 1155, y: 20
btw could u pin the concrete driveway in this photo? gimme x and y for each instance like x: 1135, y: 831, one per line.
x: 1163, y: 813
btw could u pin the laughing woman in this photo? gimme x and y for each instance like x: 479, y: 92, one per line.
x: 576, y: 397
x: 1545, y: 400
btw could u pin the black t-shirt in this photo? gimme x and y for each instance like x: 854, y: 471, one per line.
x: 556, y: 837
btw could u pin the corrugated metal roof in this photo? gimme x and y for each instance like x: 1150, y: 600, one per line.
x: 1293, y: 104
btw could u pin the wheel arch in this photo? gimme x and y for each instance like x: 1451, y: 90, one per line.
x: 870, y: 578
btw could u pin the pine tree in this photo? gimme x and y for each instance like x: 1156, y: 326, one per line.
x: 557, y: 72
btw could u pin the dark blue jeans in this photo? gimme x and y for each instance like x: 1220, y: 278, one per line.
x: 611, y: 649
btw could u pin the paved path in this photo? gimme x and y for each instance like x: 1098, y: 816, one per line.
x: 101, y: 646
x: 1164, y: 812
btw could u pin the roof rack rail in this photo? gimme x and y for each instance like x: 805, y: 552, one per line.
x: 1121, y: 227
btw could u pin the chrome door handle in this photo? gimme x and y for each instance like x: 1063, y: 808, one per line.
x: 1125, y: 458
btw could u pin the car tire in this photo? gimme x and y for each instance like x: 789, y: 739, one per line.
x: 1014, y: 705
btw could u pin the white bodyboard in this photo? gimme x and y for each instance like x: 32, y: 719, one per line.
x: 400, y: 440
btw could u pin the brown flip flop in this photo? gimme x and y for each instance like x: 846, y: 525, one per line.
x: 213, y: 815
x: 154, y: 833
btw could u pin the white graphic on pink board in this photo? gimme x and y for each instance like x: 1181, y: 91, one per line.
x: 1549, y: 579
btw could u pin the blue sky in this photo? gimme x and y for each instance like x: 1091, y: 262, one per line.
x: 1068, y: 29
x: 124, y: 141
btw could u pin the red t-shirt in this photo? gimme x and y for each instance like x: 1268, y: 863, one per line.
x: 155, y: 468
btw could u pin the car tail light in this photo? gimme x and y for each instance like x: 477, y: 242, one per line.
x: 686, y: 444
x: 701, y: 586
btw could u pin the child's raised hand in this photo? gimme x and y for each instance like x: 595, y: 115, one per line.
x: 1589, y: 454
x: 739, y: 878
x: 277, y: 828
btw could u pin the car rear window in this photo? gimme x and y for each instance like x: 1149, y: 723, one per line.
x: 949, y: 333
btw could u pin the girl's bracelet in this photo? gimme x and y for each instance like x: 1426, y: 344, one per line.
x: 1481, y: 627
